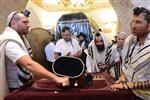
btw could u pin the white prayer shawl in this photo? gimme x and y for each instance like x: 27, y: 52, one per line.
x: 115, y: 70
x: 62, y: 47
x: 8, y: 35
x: 136, y: 63
x: 3, y: 81
x: 94, y: 57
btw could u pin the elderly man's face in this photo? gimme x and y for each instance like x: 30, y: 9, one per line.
x: 120, y: 40
x: 99, y: 44
x: 66, y: 35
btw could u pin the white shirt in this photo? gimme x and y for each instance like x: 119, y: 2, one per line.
x: 66, y: 47
x: 49, y: 51
x: 13, y: 52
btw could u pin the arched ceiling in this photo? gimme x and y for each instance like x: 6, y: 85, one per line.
x: 53, y: 5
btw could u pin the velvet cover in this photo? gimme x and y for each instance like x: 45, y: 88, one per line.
x: 43, y: 89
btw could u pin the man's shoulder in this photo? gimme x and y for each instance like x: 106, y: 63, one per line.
x: 60, y: 40
x: 59, y: 43
x: 110, y: 46
x: 91, y: 43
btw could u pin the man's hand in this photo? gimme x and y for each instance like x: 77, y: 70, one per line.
x: 116, y: 86
x: 68, y: 54
x: 104, y: 66
x: 57, y: 54
x: 122, y: 85
x: 63, y: 80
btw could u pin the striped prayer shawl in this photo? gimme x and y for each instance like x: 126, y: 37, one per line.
x: 3, y: 80
x: 10, y: 35
x: 108, y: 54
x: 136, y: 61
x: 113, y: 65
x: 4, y: 84
x: 98, y: 57
x: 24, y: 75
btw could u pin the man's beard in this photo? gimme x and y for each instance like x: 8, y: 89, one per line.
x: 67, y: 40
x: 23, y: 32
x: 100, y: 48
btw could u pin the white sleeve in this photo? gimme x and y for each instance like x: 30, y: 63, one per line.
x: 88, y: 64
x: 47, y: 52
x: 78, y: 46
x: 57, y: 47
x: 14, y: 51
x: 116, y: 55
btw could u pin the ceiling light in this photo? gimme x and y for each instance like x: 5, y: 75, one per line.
x: 75, y: 3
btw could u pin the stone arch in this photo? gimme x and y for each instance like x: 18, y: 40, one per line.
x: 123, y: 14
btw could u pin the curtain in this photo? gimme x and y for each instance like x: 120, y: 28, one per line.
x: 77, y: 22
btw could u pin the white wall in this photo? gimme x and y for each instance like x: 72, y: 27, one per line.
x: 143, y: 3
x: 107, y: 19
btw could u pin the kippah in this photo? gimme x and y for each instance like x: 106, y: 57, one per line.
x: 97, y: 34
x: 10, y: 17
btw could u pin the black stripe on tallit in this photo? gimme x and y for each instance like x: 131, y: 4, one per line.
x: 143, y: 48
x: 141, y: 66
x: 90, y: 51
x: 30, y: 53
x: 141, y: 57
x: 24, y: 80
x: 108, y: 49
x: 29, y: 49
x: 107, y: 57
x: 108, y: 54
x: 20, y: 68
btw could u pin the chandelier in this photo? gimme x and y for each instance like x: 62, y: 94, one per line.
x: 74, y: 3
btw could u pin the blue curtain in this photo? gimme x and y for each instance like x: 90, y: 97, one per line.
x: 77, y: 22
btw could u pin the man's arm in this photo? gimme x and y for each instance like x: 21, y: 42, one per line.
x: 88, y: 63
x: 137, y: 85
x: 39, y: 70
x: 122, y: 77
x: 77, y: 54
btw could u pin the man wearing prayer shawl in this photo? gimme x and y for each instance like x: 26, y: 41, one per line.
x: 136, y: 56
x: 100, y: 54
x: 117, y: 48
x: 16, y: 64
x: 67, y: 46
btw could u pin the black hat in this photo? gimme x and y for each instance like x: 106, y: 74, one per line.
x: 26, y: 12
x: 81, y: 34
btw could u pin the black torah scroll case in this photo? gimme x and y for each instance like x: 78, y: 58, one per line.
x: 74, y: 68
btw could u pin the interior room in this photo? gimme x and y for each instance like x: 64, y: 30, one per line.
x: 98, y: 49
x: 111, y: 16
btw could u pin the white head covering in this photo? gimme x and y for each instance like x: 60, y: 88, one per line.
x: 94, y: 56
x: 10, y: 17
x: 104, y: 39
